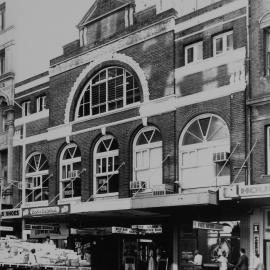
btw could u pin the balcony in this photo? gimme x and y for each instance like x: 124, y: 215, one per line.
x: 216, y: 76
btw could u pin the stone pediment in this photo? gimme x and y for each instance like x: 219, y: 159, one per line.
x: 102, y: 8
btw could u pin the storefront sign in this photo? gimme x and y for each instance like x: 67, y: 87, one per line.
x: 256, y: 240
x: 11, y: 213
x: 46, y: 211
x: 256, y: 228
x: 123, y: 230
x: 254, y: 190
x: 207, y: 226
x: 6, y: 229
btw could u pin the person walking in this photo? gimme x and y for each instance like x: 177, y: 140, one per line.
x: 242, y: 263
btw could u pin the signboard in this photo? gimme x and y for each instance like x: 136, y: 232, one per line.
x: 138, y: 229
x: 256, y: 243
x: 6, y: 229
x: 256, y: 228
x: 123, y: 230
x: 11, y: 213
x: 207, y: 226
x: 254, y: 190
x: 46, y: 211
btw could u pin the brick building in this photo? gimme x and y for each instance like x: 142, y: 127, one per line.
x: 140, y: 121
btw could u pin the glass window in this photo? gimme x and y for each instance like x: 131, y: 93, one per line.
x: 204, y: 136
x: 194, y: 53
x: 41, y: 103
x: 2, y: 16
x: 147, y: 156
x: 70, y: 168
x: 110, y: 89
x: 2, y: 62
x: 267, y: 52
x: 223, y: 43
x: 106, y: 164
x: 26, y: 108
x: 36, y: 178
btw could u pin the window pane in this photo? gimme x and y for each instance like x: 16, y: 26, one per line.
x: 138, y: 160
x: 190, y: 55
x: 156, y: 157
x: 204, y: 122
x: 217, y: 130
x: 219, y: 45
x: 230, y: 42
x: 98, y: 166
x: 141, y: 140
x: 114, y: 183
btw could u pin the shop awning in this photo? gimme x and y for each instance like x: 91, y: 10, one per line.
x: 202, y: 198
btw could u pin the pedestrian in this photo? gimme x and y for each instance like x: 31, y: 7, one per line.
x: 151, y: 260
x: 197, y: 258
x: 258, y: 262
x: 223, y: 261
x: 242, y: 263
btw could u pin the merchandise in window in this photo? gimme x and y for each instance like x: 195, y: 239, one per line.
x: 110, y: 89
x: 223, y: 43
x: 147, y: 156
x: 36, y: 178
x: 106, y: 164
x: 70, y: 167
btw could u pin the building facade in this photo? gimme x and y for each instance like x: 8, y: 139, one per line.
x: 136, y: 137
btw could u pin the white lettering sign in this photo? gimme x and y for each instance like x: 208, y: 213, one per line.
x: 11, y: 213
x: 254, y: 190
x: 207, y: 226
x: 6, y: 229
x: 43, y: 211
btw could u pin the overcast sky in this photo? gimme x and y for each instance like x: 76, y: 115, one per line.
x: 42, y: 28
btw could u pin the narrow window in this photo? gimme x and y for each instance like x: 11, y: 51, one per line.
x: 193, y: 53
x: 223, y: 43
x: 267, y: 51
x: 2, y: 16
x: 26, y: 108
x: 2, y: 62
x: 41, y: 103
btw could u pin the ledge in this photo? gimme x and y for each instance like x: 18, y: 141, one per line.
x: 32, y: 117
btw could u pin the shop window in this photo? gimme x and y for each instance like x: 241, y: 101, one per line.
x: 106, y: 166
x: 194, y: 53
x: 223, y: 43
x: 110, y: 89
x: 41, y: 103
x: 26, y: 108
x: 147, y: 156
x: 2, y: 62
x: 205, y: 136
x: 70, y: 167
x: 2, y: 16
x: 36, y: 178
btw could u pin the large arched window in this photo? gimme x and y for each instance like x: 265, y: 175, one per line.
x: 202, y: 137
x: 36, y: 178
x: 110, y: 89
x: 70, y: 168
x: 147, y: 156
x: 106, y: 166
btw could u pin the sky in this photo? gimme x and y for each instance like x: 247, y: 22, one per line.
x: 42, y: 28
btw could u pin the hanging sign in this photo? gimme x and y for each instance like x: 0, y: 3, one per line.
x: 207, y: 226
x: 46, y: 211
x: 11, y: 213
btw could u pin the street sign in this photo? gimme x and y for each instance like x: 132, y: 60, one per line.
x: 6, y: 229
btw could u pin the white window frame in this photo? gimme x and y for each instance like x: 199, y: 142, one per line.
x: 33, y: 176
x: 196, y: 53
x: 90, y: 84
x: 223, y: 144
x: 104, y: 155
x: 224, y: 43
x: 65, y: 163
x: 41, y: 103
x: 26, y: 108
x: 141, y: 148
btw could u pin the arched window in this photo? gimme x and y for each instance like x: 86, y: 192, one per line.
x: 203, y: 136
x: 147, y: 156
x: 110, y: 89
x: 106, y: 164
x: 70, y: 167
x: 36, y: 178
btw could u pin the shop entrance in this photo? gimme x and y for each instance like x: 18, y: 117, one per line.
x: 267, y: 254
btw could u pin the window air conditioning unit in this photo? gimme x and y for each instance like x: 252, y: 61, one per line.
x: 137, y: 185
x: 74, y: 174
x: 220, y: 156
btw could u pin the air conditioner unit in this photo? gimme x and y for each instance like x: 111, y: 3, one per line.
x: 137, y: 185
x: 74, y: 174
x: 220, y: 156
